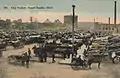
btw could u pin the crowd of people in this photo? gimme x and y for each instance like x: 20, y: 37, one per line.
x: 42, y: 51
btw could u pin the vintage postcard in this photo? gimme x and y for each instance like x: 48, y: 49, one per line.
x: 59, y: 38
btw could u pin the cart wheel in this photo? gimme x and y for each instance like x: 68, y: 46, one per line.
x: 85, y: 66
x: 116, y: 60
x: 10, y: 59
x: 75, y: 65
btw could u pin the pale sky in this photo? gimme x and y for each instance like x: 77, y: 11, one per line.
x: 85, y: 9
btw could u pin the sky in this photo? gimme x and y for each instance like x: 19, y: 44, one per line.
x: 87, y: 10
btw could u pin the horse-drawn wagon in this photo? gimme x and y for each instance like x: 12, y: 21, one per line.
x: 22, y: 59
x: 93, y: 55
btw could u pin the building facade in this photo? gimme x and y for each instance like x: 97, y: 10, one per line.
x: 86, y: 26
x: 68, y: 20
x: 106, y: 28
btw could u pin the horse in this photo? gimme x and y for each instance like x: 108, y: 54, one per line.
x: 94, y: 59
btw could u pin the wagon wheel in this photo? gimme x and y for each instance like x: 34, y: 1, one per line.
x: 85, y: 66
x: 75, y: 65
x: 11, y: 59
x: 116, y: 60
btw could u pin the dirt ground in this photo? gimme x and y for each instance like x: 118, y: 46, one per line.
x: 49, y: 70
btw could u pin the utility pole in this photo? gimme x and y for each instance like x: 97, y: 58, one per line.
x: 109, y: 23
x: 115, y: 15
x: 31, y: 23
x: 109, y: 20
x: 94, y: 20
x: 73, y: 21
